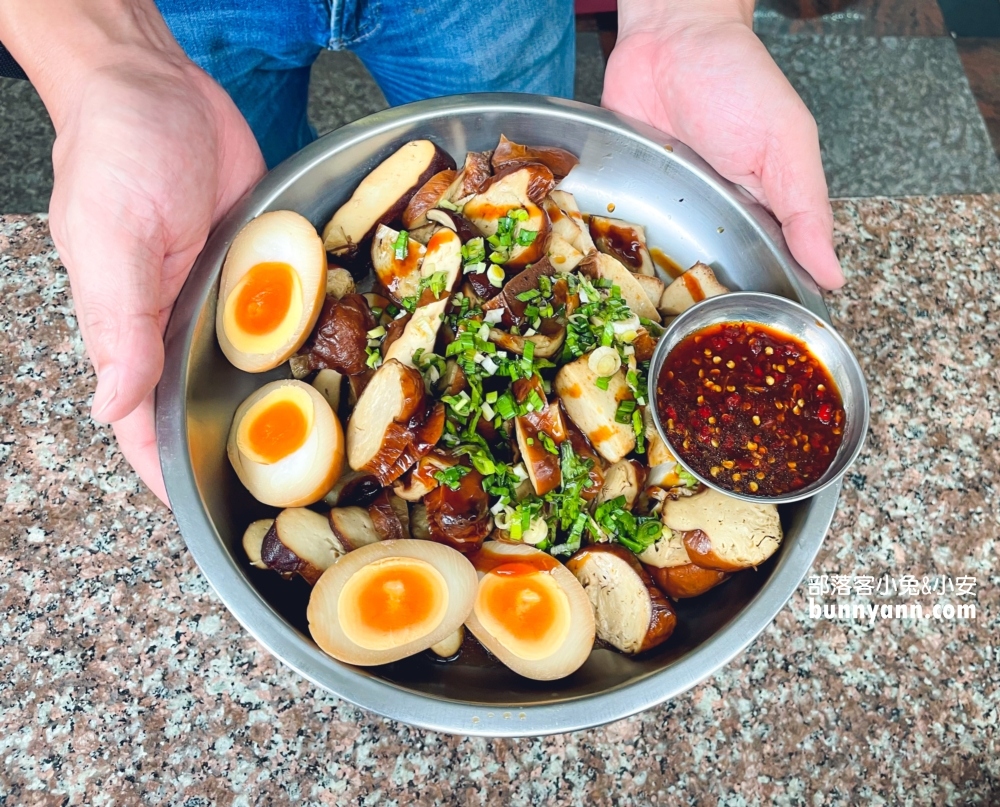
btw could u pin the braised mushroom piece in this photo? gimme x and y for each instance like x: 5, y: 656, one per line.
x: 559, y: 161
x: 722, y: 532
x: 696, y: 284
x: 630, y: 612
x: 684, y: 582
x: 340, y: 339
x: 459, y: 516
x: 383, y: 195
x: 301, y: 542
x: 624, y: 241
x: 593, y: 408
x: 515, y: 188
x: 539, y: 434
x: 392, y: 426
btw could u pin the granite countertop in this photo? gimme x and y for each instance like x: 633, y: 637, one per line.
x: 123, y: 679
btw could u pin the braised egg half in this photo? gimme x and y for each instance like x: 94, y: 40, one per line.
x: 271, y: 292
x: 390, y: 600
x: 530, y: 611
x: 286, y: 444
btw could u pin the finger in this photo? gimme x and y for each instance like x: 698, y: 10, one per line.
x: 114, y: 265
x: 136, y: 434
x: 795, y: 187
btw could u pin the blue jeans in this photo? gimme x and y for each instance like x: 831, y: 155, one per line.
x: 262, y: 52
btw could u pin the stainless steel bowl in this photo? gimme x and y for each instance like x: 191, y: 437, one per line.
x: 827, y: 345
x: 689, y: 211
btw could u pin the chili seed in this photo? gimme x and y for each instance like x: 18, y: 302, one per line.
x: 737, y: 477
x: 756, y: 420
x: 780, y: 368
x: 700, y: 399
x: 730, y: 364
x: 715, y: 443
x: 728, y: 464
x: 712, y: 420
x: 769, y: 350
x: 769, y: 380
x: 761, y: 474
x: 708, y: 352
x: 716, y: 470
x: 801, y: 402
x: 753, y: 486
x: 751, y: 445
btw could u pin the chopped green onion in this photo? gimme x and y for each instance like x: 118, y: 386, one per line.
x: 526, y: 238
x: 548, y: 443
x: 401, y: 245
x: 451, y: 477
x: 686, y: 478
x: 505, y: 406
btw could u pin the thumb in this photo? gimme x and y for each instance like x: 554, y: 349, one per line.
x: 115, y: 276
x: 795, y: 187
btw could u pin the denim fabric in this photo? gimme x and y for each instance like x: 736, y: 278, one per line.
x: 262, y: 52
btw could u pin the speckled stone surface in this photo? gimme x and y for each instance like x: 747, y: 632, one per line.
x: 896, y: 116
x: 124, y: 680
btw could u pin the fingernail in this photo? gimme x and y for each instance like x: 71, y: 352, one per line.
x: 107, y: 391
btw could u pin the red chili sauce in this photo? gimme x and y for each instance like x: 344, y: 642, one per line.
x: 751, y: 408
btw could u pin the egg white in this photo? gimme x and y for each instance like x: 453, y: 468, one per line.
x: 302, y: 477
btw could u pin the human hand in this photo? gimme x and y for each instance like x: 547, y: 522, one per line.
x: 698, y: 72
x: 147, y: 158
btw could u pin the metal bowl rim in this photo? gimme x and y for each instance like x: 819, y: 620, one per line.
x: 356, y: 686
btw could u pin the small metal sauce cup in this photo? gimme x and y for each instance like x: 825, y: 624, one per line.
x: 791, y: 318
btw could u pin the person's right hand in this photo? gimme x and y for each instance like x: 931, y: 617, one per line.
x: 148, y: 157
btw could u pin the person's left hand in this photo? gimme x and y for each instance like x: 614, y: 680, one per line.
x: 700, y: 74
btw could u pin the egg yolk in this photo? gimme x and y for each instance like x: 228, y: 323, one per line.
x: 276, y: 426
x: 264, y: 297
x: 525, y: 609
x: 391, y: 602
x: 264, y: 309
x: 278, y: 431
